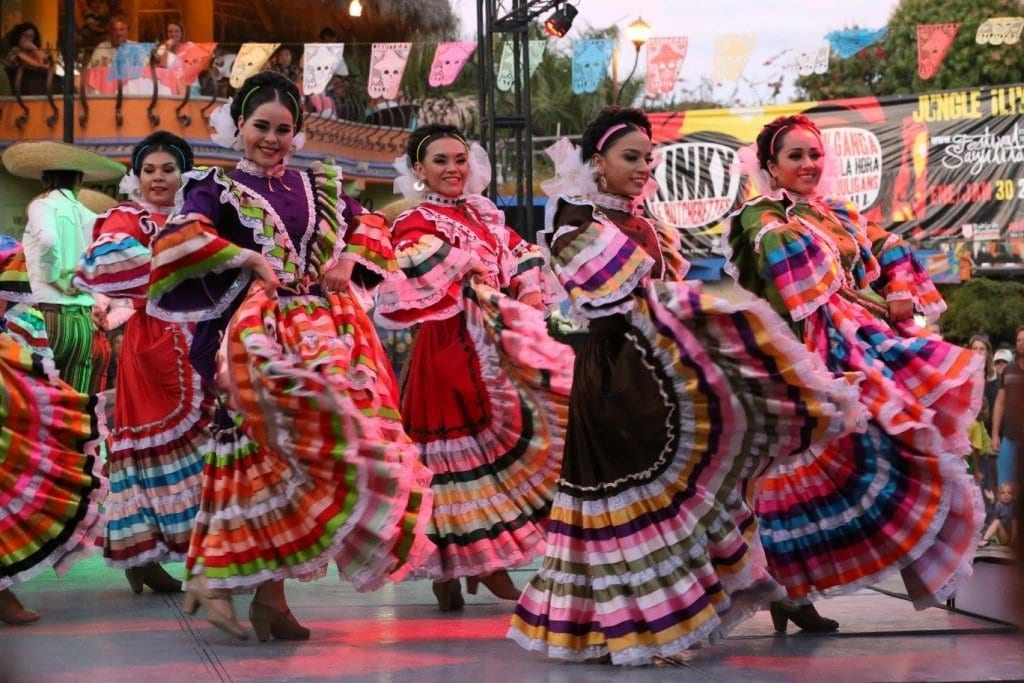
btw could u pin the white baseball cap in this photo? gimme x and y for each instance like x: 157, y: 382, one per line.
x: 1004, y: 355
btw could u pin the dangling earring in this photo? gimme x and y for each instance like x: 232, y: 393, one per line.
x: 419, y: 185
x: 602, y: 183
x: 137, y: 193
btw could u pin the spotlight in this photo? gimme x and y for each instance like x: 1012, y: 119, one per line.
x: 560, y: 21
x: 355, y: 9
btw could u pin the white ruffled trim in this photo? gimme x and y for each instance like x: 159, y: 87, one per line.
x: 573, y: 178
x: 129, y: 186
x: 159, y: 553
x: 223, y: 129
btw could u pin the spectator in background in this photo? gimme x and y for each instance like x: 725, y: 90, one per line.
x: 21, y: 49
x: 166, y: 52
x: 1003, y: 529
x: 282, y: 61
x: 94, y: 26
x: 981, y: 345
x: 1007, y: 422
x: 1000, y: 360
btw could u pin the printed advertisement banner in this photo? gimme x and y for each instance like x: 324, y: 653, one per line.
x: 944, y: 170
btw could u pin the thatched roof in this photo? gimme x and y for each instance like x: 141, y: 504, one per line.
x: 300, y: 21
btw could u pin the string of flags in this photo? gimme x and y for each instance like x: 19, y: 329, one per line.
x: 590, y: 59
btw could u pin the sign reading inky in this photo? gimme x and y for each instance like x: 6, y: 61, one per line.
x: 944, y: 170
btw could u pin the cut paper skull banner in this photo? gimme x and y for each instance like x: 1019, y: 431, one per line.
x: 731, y: 55
x: 536, y: 48
x: 506, y: 75
x: 999, y: 31
x: 850, y: 41
x: 129, y: 61
x: 590, y: 60
x: 805, y: 61
x: 664, y: 59
x: 449, y: 58
x: 387, y: 64
x: 249, y: 60
x: 319, y: 63
x: 192, y: 58
x: 933, y: 41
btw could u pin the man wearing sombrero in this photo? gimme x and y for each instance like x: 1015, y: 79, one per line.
x: 59, y: 229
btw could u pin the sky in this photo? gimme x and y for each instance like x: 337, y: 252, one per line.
x: 779, y: 24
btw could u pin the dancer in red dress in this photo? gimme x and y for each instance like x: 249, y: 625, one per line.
x: 487, y: 391
x: 160, y: 418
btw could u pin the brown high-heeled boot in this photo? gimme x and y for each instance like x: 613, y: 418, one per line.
x: 804, y: 616
x: 12, y: 612
x: 282, y: 625
x: 449, y: 595
x: 154, y: 576
x: 217, y: 604
x: 499, y: 583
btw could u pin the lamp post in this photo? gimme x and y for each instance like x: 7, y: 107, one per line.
x: 638, y: 32
x: 355, y: 9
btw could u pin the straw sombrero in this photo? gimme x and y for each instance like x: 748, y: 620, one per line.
x: 394, y: 209
x: 30, y: 159
x: 96, y: 201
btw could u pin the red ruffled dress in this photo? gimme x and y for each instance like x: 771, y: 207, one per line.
x: 486, y: 396
x: 161, y: 415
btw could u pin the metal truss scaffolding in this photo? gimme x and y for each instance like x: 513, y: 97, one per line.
x: 505, y: 121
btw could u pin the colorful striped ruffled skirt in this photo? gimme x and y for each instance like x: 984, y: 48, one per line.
x: 309, y: 463
x: 486, y: 400
x: 651, y: 545
x: 50, y: 481
x: 160, y: 435
x: 897, y: 497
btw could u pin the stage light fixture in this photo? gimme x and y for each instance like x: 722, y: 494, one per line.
x: 560, y: 21
x: 355, y: 9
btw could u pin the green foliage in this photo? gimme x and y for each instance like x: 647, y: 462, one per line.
x: 995, y: 307
x: 890, y: 66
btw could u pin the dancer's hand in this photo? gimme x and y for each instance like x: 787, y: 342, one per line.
x: 262, y: 269
x: 533, y: 299
x: 99, y: 318
x: 337, y: 278
x: 901, y: 309
x: 477, y: 269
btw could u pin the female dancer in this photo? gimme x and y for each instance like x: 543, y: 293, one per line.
x: 676, y: 397
x: 485, y: 398
x: 161, y: 418
x: 50, y: 481
x: 309, y: 461
x: 896, y: 496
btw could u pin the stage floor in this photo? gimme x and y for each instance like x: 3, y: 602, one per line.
x: 94, y: 629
